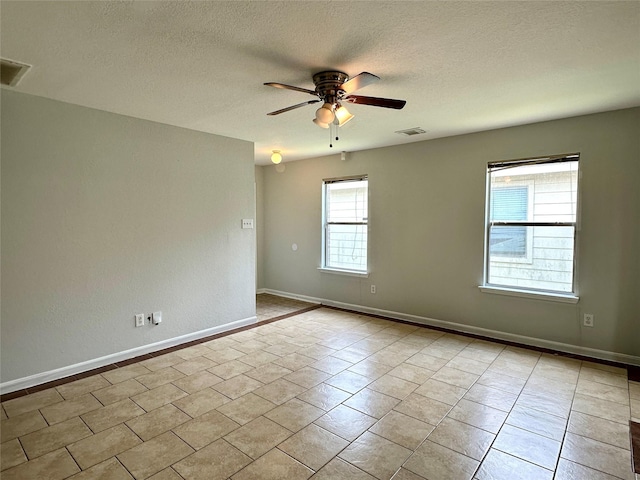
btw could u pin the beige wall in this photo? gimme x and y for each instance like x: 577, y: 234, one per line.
x: 426, y: 230
x: 259, y: 224
x: 105, y: 216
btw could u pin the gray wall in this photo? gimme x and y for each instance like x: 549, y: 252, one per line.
x: 106, y: 216
x: 426, y: 230
x: 259, y: 225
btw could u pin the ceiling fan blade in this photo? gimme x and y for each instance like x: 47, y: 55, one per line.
x: 359, y: 81
x: 291, y: 87
x: 292, y: 107
x: 376, y: 101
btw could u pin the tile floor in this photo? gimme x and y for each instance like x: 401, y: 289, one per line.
x: 330, y: 395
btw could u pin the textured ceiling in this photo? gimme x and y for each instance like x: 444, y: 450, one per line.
x: 461, y: 66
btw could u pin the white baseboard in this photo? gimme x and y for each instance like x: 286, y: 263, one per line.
x: 462, y: 328
x: 44, y: 377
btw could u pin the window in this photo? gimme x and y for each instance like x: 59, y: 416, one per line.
x: 531, y: 224
x: 345, y: 211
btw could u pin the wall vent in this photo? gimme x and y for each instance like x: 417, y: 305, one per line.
x: 12, y: 72
x: 411, y: 131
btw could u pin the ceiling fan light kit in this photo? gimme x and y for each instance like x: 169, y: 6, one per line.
x: 276, y: 157
x: 332, y: 88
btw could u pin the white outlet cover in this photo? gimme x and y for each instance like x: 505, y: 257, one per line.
x: 156, y: 318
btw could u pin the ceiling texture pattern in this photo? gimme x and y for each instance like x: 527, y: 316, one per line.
x: 461, y: 66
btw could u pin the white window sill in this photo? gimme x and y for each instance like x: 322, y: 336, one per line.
x: 349, y: 273
x: 513, y: 292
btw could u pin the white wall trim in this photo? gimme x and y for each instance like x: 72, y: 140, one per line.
x: 485, y: 332
x: 44, y: 377
x: 295, y: 296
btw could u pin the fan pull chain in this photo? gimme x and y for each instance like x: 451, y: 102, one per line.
x: 330, y: 137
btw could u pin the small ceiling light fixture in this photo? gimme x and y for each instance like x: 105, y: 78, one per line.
x: 276, y: 157
x: 342, y: 115
x: 325, y: 113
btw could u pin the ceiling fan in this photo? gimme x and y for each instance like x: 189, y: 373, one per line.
x: 334, y: 88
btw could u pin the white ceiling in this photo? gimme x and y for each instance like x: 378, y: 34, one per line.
x: 461, y: 66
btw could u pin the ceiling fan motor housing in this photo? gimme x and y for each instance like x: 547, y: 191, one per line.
x: 328, y: 85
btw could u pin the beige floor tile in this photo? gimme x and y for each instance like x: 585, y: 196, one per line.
x: 345, y: 422
x: 600, y: 376
x: 193, y: 365
x: 634, y: 390
x: 122, y: 374
x: 59, y: 412
x: 431, y: 460
x: 372, y: 403
x: 603, y: 391
x: 3, y: 415
x: 412, y: 373
x: 260, y: 358
x: 152, y: 399
x: 80, y: 387
x: 554, y: 388
x: 558, y: 374
x: 161, y: 362
x: 244, y: 409
x: 159, y: 377
x: 29, y: 403
x: 427, y: 361
x: 119, y: 391
x: 101, y: 446
x: 390, y: 357
x: 501, y: 466
x: 110, y: 469
x: 294, y: 414
x: 510, y: 368
x: 370, y: 369
x: 502, y: 382
x: 52, y: 438
x: 568, y: 470
x: 268, y: 373
x: 205, y: 429
x: 275, y: 465
x: 492, y: 397
x: 196, y: 382
x: 469, y: 365
x: 596, y: 407
x: 460, y: 437
x: 528, y: 446
x: 443, y: 392
x: 350, y: 355
x: 217, y: 461
x: 258, y: 436
x: 313, y: 446
x: 294, y: 361
x: 338, y: 469
x: 348, y: 381
x: 478, y: 415
x: 112, y: 415
x: 455, y: 377
x: 318, y: 351
x: 607, y: 368
x: 393, y: 386
x: 157, y: 421
x: 307, y: 377
x: 324, y: 396
x: 201, y: 402
x: 225, y: 354
x: 52, y: 466
x: 155, y: 455
x: 559, y: 406
x: 279, y: 391
x: 404, y: 474
x: 541, y: 423
x: 22, y: 424
x: 166, y: 474
x: 331, y: 365
x: 599, y: 429
x: 11, y: 454
x: 237, y: 386
x: 375, y: 455
x: 192, y: 352
x: 597, y: 455
x: 425, y: 409
x: 402, y: 429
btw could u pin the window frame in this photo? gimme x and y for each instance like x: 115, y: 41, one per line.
x: 531, y: 292
x: 325, y: 227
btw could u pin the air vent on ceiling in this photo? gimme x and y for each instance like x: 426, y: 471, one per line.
x: 411, y: 131
x: 12, y: 72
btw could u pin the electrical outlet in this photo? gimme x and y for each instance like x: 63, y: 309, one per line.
x: 140, y: 320
x: 588, y: 320
x: 373, y: 289
x: 247, y: 223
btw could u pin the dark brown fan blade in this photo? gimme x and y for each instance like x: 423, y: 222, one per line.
x: 376, y: 101
x: 293, y: 107
x: 359, y: 81
x: 291, y: 87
